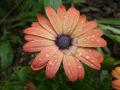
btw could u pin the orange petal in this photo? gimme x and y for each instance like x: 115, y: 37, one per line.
x: 39, y: 31
x: 70, y: 67
x: 116, y: 84
x: 46, y: 24
x: 42, y: 58
x: 61, y: 11
x: 70, y: 20
x: 69, y: 51
x: 54, y: 19
x: 90, y: 25
x: 87, y: 58
x: 78, y: 30
x: 35, y: 24
x: 32, y: 38
x: 80, y: 70
x: 89, y: 41
x: 83, y: 28
x: 54, y: 64
x: 115, y: 74
x: 117, y: 69
x: 95, y: 54
x: 33, y: 45
x: 94, y: 33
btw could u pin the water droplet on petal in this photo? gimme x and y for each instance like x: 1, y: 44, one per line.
x: 87, y: 57
x: 98, y: 40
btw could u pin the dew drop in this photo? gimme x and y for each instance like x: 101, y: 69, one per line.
x: 47, y: 55
x: 87, y: 57
x: 93, y: 35
x: 98, y: 40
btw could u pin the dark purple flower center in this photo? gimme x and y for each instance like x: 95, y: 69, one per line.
x: 63, y: 41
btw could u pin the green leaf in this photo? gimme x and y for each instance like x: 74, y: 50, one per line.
x: 109, y: 28
x: 79, y: 1
x: 6, y: 55
x: 114, y: 21
x: 108, y: 62
x: 23, y: 73
x: 13, y: 86
x: 115, y: 38
x: 53, y: 3
x: 105, y: 81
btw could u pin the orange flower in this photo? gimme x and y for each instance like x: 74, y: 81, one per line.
x: 116, y: 75
x: 66, y: 36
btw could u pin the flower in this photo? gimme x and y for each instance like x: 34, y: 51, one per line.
x: 116, y: 75
x: 65, y: 37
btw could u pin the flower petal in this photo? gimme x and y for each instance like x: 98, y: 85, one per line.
x: 115, y: 74
x: 94, y: 53
x: 70, y: 20
x: 54, y: 64
x: 89, y: 41
x: 70, y: 67
x: 33, y: 45
x: 80, y: 70
x: 42, y: 58
x: 35, y: 24
x: 61, y: 11
x: 32, y: 38
x: 94, y: 33
x: 83, y: 27
x: 87, y: 58
x: 116, y: 84
x: 54, y: 19
x: 46, y: 24
x: 39, y: 31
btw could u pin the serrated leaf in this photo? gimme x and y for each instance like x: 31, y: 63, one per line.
x: 6, y: 55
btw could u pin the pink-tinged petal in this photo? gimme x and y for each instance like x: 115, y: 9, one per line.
x: 89, y: 41
x: 35, y: 24
x: 54, y: 64
x: 70, y: 67
x: 80, y: 69
x: 37, y: 44
x: 95, y: 54
x: 116, y: 84
x: 115, y: 74
x: 32, y: 38
x: 43, y: 57
x: 94, y: 33
x: 61, y: 11
x: 87, y: 58
x: 70, y: 20
x: 84, y: 27
x: 90, y: 25
x: 54, y: 19
x: 79, y: 27
x: 46, y: 24
x: 69, y: 51
x: 39, y: 31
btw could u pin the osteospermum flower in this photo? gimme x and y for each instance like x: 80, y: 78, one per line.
x: 65, y: 37
x: 116, y: 75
